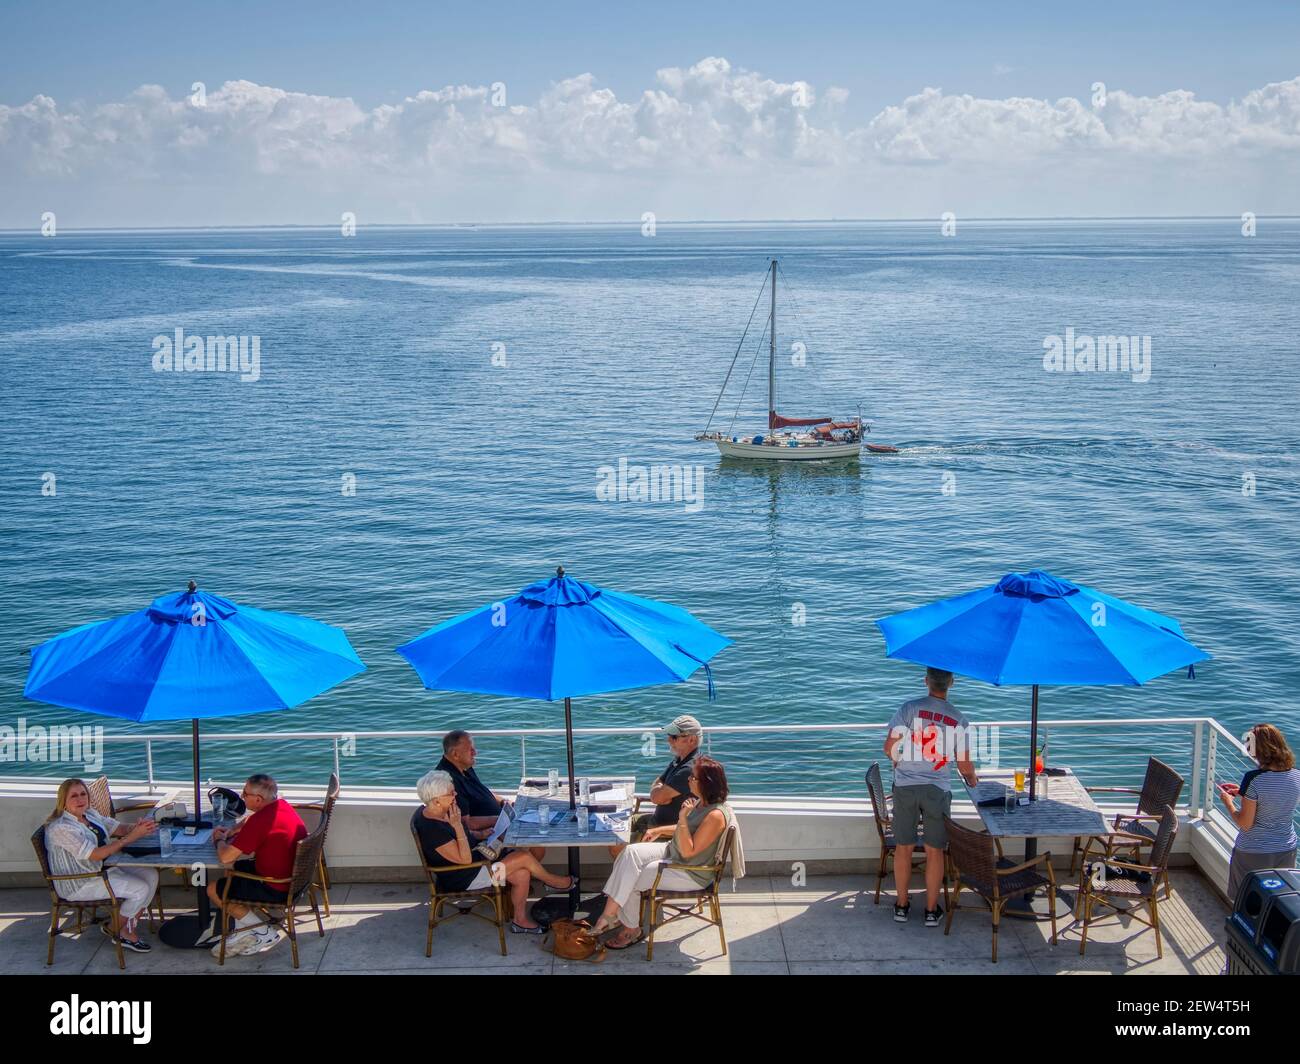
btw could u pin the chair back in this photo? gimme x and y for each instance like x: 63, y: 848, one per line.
x: 306, y: 859
x: 879, y: 804
x: 419, y: 853
x: 1165, y: 835
x: 331, y: 796
x: 1160, y: 787
x: 973, y: 854
x: 101, y: 798
x: 42, y: 855
x: 724, y: 853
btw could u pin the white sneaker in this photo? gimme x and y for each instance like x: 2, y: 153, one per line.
x: 238, y: 944
x: 266, y: 938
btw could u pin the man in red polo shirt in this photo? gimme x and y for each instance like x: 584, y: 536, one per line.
x: 270, y: 834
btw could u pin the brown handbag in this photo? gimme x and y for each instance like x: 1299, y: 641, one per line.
x: 572, y: 940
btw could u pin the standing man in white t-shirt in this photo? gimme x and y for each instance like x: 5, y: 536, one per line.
x: 926, y: 736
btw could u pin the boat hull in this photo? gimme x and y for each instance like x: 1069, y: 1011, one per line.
x: 761, y: 452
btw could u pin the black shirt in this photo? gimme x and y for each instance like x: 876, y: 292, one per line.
x: 435, y: 833
x: 472, y: 794
x: 677, y: 776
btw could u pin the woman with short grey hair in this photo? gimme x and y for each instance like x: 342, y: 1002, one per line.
x: 441, y: 830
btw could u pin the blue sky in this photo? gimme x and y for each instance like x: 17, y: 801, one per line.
x: 341, y: 64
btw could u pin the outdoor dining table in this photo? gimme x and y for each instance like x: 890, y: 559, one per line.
x: 564, y: 830
x: 1063, y: 808
x: 187, y: 930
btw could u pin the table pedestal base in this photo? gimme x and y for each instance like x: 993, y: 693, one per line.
x: 187, y: 931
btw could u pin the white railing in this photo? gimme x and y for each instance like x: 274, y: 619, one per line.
x: 827, y: 759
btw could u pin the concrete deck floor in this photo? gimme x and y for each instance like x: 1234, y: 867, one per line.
x: 828, y: 926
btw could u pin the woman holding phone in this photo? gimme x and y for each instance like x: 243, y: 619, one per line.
x: 1263, y: 807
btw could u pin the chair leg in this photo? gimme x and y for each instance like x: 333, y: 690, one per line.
x: 324, y: 883
x: 881, y: 870
x: 54, y: 932
x: 115, y: 917
x: 499, y: 906
x: 956, y: 904
x: 656, y: 911
x: 291, y: 923
x: 1168, y: 888
x: 997, y: 914
x: 1051, y: 900
x: 1086, y: 902
x: 311, y: 893
x: 1154, y: 906
x: 428, y: 938
x: 717, y: 916
x: 1075, y: 852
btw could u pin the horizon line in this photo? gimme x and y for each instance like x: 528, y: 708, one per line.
x: 637, y: 222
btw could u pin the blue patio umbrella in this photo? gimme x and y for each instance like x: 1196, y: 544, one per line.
x: 562, y: 638
x: 191, y: 655
x: 1035, y: 628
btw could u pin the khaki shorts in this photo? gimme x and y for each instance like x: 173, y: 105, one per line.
x: 925, y: 803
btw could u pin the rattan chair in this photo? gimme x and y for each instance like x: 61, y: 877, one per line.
x: 885, y: 830
x: 655, y: 900
x: 978, y: 864
x: 1097, y: 888
x: 492, y: 896
x: 301, y: 884
x: 101, y: 800
x: 313, y: 815
x: 88, y: 905
x: 1161, y: 787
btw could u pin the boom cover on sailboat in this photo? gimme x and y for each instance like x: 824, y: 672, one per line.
x: 780, y: 421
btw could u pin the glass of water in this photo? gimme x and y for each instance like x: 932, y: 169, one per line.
x: 218, y: 809
x: 553, y: 782
x: 165, y: 841
x: 543, y: 818
x: 583, y: 817
x: 584, y: 787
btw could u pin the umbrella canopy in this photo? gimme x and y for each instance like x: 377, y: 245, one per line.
x: 187, y: 656
x: 191, y: 655
x: 561, y: 638
x: 1035, y: 628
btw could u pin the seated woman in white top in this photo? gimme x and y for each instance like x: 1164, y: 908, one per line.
x: 77, y: 839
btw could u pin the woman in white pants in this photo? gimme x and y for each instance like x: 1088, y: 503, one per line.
x: 77, y: 839
x: 694, y: 840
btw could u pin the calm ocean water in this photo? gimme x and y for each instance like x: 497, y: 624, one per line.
x: 474, y: 478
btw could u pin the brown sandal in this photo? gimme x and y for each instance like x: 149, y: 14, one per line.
x: 636, y: 941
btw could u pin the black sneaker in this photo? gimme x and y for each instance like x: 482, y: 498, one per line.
x: 900, y: 912
x: 933, y: 916
x: 138, y: 946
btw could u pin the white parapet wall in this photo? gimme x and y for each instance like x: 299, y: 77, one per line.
x: 370, y: 837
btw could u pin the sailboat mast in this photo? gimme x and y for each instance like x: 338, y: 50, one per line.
x: 771, y: 357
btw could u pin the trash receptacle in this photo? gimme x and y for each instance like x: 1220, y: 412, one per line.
x: 1264, y: 928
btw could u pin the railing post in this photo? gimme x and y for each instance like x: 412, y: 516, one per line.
x: 336, y: 759
x: 1211, y: 751
x: 1195, y: 796
x: 523, y: 756
x: 148, y: 762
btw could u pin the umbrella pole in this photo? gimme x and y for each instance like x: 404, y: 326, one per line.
x: 198, y: 801
x: 1031, y: 843
x: 1027, y: 906
x: 575, y: 894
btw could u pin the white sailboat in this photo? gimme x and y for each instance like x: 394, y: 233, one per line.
x: 815, y: 439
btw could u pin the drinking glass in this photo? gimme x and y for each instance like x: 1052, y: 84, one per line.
x: 543, y: 818
x: 165, y: 841
x: 218, y: 809
x: 1020, y: 780
x: 584, y: 788
x: 553, y: 782
x: 583, y: 820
